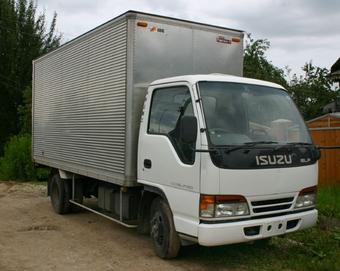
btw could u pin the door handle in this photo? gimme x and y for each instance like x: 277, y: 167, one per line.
x: 147, y: 163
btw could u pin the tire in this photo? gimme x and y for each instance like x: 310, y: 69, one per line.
x: 162, y: 229
x: 60, y: 195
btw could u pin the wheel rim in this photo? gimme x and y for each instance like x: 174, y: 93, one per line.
x: 157, y: 229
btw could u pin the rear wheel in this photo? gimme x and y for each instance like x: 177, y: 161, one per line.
x: 165, y: 238
x: 60, y: 194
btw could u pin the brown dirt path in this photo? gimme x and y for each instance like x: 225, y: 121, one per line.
x: 33, y: 237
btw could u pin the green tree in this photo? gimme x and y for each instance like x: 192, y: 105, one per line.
x: 25, y: 112
x: 312, y: 90
x: 256, y: 64
x: 23, y: 37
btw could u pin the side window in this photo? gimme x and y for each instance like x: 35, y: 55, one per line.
x: 168, y: 106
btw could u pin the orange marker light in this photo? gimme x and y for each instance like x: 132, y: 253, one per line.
x: 142, y: 24
x: 235, y: 39
x: 205, y: 201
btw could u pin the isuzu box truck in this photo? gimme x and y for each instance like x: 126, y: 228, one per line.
x: 140, y: 124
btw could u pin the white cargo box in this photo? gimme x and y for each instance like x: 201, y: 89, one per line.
x: 88, y: 93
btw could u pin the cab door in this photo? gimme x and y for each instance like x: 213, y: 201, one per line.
x: 164, y: 161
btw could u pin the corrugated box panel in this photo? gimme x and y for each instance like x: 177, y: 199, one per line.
x: 79, y: 104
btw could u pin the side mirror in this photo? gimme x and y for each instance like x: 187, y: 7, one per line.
x: 317, y: 154
x: 188, y: 129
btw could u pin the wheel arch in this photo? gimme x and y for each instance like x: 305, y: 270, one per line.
x: 148, y: 195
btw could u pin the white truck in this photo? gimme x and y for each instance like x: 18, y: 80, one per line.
x: 140, y: 125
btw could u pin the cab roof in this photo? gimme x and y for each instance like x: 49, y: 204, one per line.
x: 193, y: 79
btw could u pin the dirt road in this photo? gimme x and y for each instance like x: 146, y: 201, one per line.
x: 33, y: 237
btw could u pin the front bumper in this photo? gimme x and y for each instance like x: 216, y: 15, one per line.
x: 244, y: 231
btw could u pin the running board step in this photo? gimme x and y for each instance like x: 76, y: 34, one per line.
x: 103, y: 215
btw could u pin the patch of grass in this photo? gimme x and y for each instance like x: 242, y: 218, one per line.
x: 43, y: 183
x: 311, y: 249
x: 328, y: 201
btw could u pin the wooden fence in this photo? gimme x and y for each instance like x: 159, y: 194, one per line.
x: 329, y: 164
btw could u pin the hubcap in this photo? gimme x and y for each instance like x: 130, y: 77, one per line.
x: 157, y: 229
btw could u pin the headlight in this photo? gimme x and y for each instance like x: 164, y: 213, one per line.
x: 306, y: 198
x: 223, y: 206
x: 231, y: 209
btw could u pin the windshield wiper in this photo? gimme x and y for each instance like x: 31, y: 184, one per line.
x: 260, y: 142
x: 231, y: 148
x: 249, y: 144
x: 299, y: 143
x: 294, y: 144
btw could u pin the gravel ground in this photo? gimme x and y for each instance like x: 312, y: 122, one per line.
x: 33, y: 237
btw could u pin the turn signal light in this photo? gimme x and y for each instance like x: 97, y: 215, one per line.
x: 205, y: 201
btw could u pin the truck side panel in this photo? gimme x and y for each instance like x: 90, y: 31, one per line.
x: 79, y: 105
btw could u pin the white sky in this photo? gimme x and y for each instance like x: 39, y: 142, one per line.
x: 299, y: 30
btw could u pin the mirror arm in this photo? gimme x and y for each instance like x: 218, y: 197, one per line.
x: 328, y: 147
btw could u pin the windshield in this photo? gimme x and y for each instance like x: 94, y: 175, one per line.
x: 238, y: 113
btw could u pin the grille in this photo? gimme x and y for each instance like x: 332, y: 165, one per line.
x: 271, y: 205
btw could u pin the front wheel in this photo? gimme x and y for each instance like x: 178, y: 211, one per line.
x: 163, y: 233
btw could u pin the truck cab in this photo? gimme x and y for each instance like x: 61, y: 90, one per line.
x: 231, y: 157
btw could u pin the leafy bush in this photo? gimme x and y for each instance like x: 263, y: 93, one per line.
x: 16, y: 164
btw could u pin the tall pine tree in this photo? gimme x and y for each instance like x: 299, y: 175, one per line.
x: 23, y: 37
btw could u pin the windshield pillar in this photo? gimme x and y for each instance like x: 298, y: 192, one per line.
x: 200, y: 115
